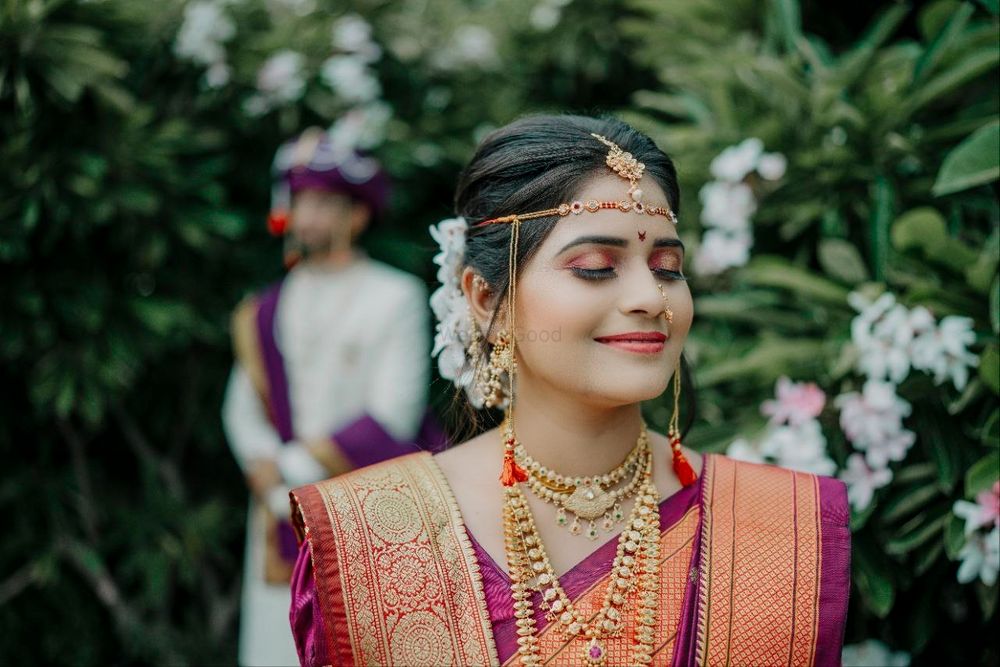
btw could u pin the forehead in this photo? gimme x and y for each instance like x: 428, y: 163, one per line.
x: 612, y: 222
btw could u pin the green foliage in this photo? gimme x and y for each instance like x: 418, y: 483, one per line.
x: 892, y: 147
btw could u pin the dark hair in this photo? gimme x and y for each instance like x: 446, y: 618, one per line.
x: 536, y: 163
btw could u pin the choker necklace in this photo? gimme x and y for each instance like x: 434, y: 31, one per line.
x: 588, y: 498
x: 634, y: 579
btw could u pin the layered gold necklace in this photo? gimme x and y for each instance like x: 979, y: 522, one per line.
x: 587, y: 498
x: 633, y: 579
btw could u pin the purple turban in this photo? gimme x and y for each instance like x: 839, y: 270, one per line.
x: 313, y: 160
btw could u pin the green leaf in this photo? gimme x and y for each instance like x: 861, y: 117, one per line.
x: 982, y: 475
x: 925, y: 229
x: 969, y: 68
x: 954, y: 536
x: 989, y: 368
x: 973, y: 162
x: 914, y: 473
x: 882, y: 207
x: 990, y: 434
x: 980, y: 274
x: 778, y: 272
x: 926, y: 559
x: 909, y: 501
x: 995, y: 305
x: 947, y: 36
x: 841, y: 260
x: 874, y: 580
x: 987, y: 596
x: 914, y: 533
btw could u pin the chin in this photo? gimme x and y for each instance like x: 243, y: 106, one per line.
x: 626, y: 389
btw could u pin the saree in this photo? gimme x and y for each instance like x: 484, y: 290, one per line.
x: 754, y: 571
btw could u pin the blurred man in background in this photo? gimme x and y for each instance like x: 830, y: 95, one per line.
x: 331, y: 371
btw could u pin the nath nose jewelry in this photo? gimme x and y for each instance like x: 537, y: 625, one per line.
x: 668, y: 314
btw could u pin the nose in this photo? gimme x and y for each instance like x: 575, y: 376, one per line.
x: 640, y: 294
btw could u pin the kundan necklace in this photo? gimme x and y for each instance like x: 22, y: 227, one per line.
x: 587, y: 498
x: 633, y: 579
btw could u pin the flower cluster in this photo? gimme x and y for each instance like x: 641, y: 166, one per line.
x: 891, y: 339
x: 980, y: 555
x: 452, y: 333
x: 202, y: 37
x: 728, y: 203
x: 873, y: 421
x: 793, y: 439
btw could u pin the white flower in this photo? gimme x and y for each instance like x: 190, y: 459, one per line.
x: 350, y: 78
x: 873, y: 422
x: 942, y: 350
x: 772, y: 166
x: 862, y: 481
x: 204, y: 30
x: 544, y: 16
x: 873, y: 653
x: 280, y: 78
x: 217, y: 75
x: 742, y: 450
x: 361, y: 127
x: 721, y: 250
x: 353, y: 34
x: 471, y: 45
x: 735, y: 162
x: 891, y: 339
x: 980, y: 558
x: 727, y: 205
x: 984, y: 512
x: 799, y: 447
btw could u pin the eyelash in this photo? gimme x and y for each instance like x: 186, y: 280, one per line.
x: 605, y: 274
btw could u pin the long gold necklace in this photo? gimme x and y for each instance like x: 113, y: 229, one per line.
x: 587, y: 498
x: 633, y: 572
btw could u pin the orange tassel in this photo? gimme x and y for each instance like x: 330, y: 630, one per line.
x: 683, y: 470
x: 511, y: 473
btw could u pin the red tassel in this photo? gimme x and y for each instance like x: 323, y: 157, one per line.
x: 277, y: 222
x: 511, y: 473
x: 683, y: 469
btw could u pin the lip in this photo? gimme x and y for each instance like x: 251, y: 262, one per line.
x: 634, y: 336
x: 641, y: 342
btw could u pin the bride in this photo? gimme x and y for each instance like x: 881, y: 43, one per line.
x: 570, y: 534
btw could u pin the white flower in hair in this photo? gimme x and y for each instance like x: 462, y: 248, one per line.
x: 451, y: 338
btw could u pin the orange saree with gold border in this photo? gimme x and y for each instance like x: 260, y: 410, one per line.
x: 754, y: 572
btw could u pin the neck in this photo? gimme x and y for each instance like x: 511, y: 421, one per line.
x: 331, y: 260
x: 572, y: 438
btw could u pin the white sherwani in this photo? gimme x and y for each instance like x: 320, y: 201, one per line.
x: 354, y: 342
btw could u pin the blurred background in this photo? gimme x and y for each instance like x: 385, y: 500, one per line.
x: 839, y: 173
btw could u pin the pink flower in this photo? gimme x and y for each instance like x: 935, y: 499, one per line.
x: 797, y: 402
x: 984, y: 512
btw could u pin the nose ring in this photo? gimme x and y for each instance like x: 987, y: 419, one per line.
x: 668, y: 314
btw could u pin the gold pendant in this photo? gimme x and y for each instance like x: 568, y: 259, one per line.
x: 594, y: 654
x: 589, y: 502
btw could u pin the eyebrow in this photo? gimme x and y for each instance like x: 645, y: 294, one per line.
x: 618, y: 242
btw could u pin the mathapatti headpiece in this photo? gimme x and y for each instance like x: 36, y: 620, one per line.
x: 622, y: 163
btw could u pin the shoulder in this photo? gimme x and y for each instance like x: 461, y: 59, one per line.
x: 771, y: 486
x: 389, y: 278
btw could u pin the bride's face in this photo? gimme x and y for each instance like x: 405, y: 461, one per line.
x: 597, y: 275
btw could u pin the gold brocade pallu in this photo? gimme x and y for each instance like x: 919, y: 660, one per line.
x: 743, y: 574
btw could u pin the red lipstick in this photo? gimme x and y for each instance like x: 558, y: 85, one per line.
x: 642, y: 342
